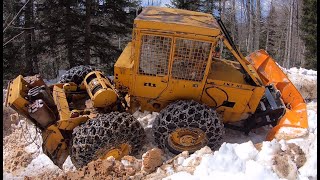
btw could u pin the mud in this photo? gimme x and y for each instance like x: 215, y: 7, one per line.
x: 9, y: 118
x: 287, y: 163
x: 152, y: 159
x: 15, y: 156
x: 103, y: 169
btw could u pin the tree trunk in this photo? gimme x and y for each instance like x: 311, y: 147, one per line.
x: 88, y: 32
x: 220, y: 9
x: 28, y: 41
x: 257, y: 30
x: 267, y: 40
x: 287, y: 64
x: 250, y: 26
x: 68, y: 37
x: 233, y: 20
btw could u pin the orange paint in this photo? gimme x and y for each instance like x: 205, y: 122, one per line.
x: 270, y: 73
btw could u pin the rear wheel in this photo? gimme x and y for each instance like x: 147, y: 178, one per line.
x: 76, y: 74
x: 114, y: 134
x: 187, y: 126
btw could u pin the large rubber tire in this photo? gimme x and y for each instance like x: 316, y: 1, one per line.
x: 76, y: 74
x: 94, y: 138
x: 187, y: 114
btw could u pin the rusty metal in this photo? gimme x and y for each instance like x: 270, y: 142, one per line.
x: 41, y: 92
x: 35, y: 80
x: 39, y: 111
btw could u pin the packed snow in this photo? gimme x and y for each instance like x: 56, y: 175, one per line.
x: 239, y: 157
x: 245, y: 161
x: 305, y: 81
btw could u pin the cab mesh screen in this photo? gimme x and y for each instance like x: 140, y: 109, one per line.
x: 155, y: 55
x: 190, y: 59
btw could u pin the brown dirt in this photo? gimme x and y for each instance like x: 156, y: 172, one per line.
x: 308, y: 89
x: 296, y: 154
x: 287, y: 163
x: 15, y: 157
x: 128, y: 168
x: 152, y: 159
x: 284, y: 166
x: 50, y: 175
x: 104, y: 169
x: 9, y: 118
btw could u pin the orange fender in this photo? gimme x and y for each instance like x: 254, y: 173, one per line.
x: 294, y: 123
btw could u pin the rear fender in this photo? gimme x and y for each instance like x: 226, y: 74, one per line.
x: 294, y: 123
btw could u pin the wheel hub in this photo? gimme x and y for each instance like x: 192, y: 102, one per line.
x: 118, y: 152
x: 187, y: 139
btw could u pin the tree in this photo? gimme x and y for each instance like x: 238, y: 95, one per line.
x: 31, y: 58
x: 13, y: 38
x: 88, y: 32
x: 309, y: 29
x: 193, y: 5
x: 257, y: 26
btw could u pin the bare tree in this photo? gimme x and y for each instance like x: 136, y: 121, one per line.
x: 250, y: 25
x: 289, y: 37
x: 67, y: 34
x: 31, y: 59
x: 87, y: 32
x: 257, y: 25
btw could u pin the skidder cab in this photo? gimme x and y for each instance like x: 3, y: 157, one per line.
x: 171, y: 66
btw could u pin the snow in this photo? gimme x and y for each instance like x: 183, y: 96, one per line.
x: 55, y: 80
x: 40, y: 164
x: 181, y: 175
x: 303, y: 78
x: 310, y: 167
x: 244, y: 161
x: 269, y: 148
x: 308, y: 73
x: 145, y: 118
x: 246, y: 151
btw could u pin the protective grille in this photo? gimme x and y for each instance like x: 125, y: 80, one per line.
x: 155, y: 53
x: 190, y: 59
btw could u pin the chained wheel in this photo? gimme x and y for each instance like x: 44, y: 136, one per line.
x: 114, y: 134
x: 187, y: 126
x: 76, y: 74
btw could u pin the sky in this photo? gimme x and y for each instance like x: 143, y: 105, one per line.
x: 265, y: 5
x: 155, y: 2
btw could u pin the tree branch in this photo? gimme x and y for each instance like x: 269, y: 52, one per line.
x: 22, y: 28
x: 13, y: 38
x: 15, y: 16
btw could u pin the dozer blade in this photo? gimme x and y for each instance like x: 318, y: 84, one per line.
x: 294, y: 122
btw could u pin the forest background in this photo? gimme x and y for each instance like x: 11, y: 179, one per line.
x: 45, y: 36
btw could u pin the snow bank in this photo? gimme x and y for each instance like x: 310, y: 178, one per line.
x: 305, y: 81
x: 244, y: 161
x: 55, y: 80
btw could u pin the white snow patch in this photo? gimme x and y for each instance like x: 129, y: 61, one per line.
x: 68, y: 166
x: 181, y: 175
x: 243, y: 161
x: 55, y: 80
x: 246, y: 151
x: 145, y: 118
x: 41, y: 164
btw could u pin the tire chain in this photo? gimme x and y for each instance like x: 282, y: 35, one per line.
x: 188, y: 114
x: 76, y: 74
x: 104, y: 132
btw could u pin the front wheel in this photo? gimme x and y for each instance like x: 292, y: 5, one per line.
x: 114, y: 134
x: 187, y: 126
